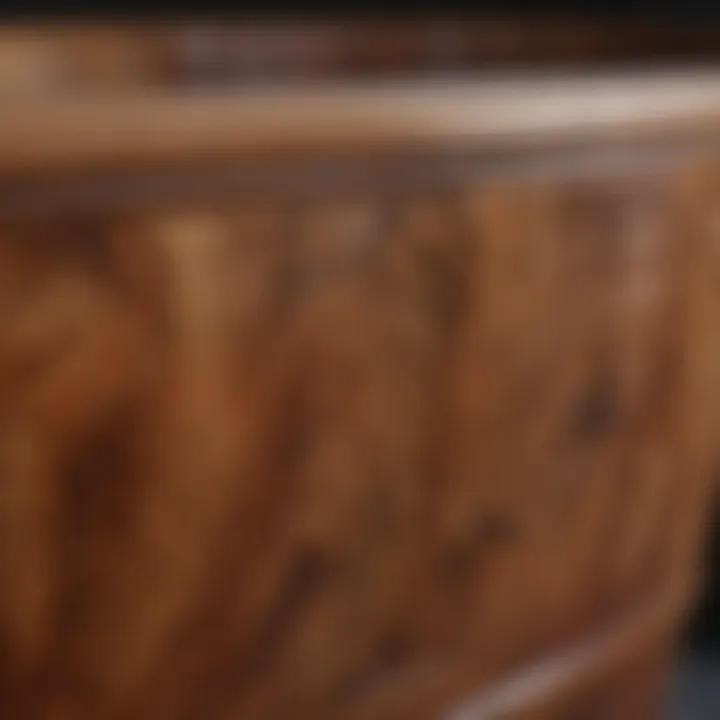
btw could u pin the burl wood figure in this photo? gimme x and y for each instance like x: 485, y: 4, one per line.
x: 382, y: 403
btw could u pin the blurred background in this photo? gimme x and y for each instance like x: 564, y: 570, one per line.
x: 61, y: 56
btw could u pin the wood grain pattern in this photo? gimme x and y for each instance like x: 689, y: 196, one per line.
x: 386, y: 452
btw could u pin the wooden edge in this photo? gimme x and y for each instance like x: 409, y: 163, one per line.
x: 575, y: 667
x: 119, y: 130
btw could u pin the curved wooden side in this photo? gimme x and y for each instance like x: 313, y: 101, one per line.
x: 355, y: 454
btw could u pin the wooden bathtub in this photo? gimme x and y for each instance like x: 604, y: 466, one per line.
x: 355, y: 400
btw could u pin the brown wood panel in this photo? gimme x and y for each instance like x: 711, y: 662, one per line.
x: 275, y: 460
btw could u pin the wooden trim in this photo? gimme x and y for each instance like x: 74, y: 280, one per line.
x: 121, y: 130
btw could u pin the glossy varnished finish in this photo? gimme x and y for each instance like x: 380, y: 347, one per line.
x: 283, y: 445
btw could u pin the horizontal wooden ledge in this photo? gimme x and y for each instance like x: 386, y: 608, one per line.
x: 92, y: 130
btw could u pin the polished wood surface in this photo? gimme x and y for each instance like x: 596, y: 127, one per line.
x: 303, y: 431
